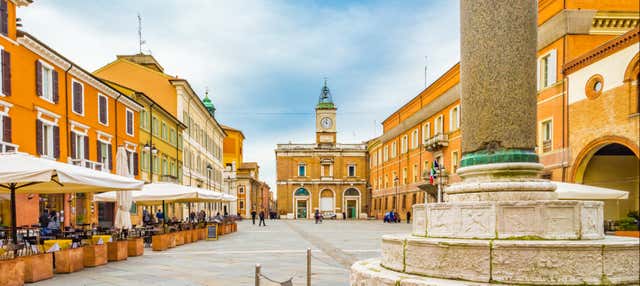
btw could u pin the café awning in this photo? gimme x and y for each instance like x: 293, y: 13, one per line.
x: 168, y: 192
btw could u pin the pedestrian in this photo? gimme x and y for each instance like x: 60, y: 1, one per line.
x: 396, y: 215
x: 160, y: 216
x: 146, y: 218
x: 192, y: 217
x: 44, y: 218
x: 344, y: 215
x: 317, y: 216
x: 262, y: 219
x: 408, y: 216
x: 253, y: 216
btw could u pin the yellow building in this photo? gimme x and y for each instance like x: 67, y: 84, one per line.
x: 232, y: 147
x: 325, y: 176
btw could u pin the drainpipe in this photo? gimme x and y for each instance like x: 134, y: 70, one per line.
x: 150, y: 172
x: 68, y: 136
x: 116, y: 115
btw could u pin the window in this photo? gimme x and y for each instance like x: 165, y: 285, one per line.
x: 145, y: 161
x: 130, y: 122
x: 163, y: 132
x: 394, y: 149
x: 454, y: 160
x: 415, y: 173
x: 241, y: 204
x: 414, y: 139
x: 77, y: 98
x: 379, y: 157
x: 454, y: 118
x: 46, y: 81
x: 413, y: 200
x: 4, y: 17
x: 78, y: 146
x: 156, y: 165
x: 547, y: 133
x: 165, y: 167
x: 404, y: 176
x: 439, y: 128
x: 5, y: 72
x: 395, y: 178
x: 47, y: 139
x: 302, y: 170
x: 132, y: 163
x: 547, y: 65
x: 302, y: 192
x: 103, y: 109
x: 404, y: 144
x: 404, y: 201
x: 241, y: 190
x: 426, y: 131
x: 386, y: 153
x: 172, y: 136
x: 104, y: 154
x: 143, y: 119
x: 154, y: 126
x: 351, y: 170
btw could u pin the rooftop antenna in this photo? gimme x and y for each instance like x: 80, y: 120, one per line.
x: 140, y: 40
x: 425, y: 71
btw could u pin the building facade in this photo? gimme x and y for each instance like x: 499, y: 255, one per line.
x: 252, y: 192
x: 568, y: 31
x: 232, y: 159
x: 325, y: 176
x: 52, y: 108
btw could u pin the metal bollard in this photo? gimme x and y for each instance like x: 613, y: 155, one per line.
x: 308, y: 266
x: 258, y: 274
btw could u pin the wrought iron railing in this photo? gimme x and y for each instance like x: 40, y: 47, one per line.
x: 436, y: 142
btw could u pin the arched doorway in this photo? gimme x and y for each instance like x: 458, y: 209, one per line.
x: 612, y: 166
x: 301, y: 203
x: 327, y: 201
x: 351, y: 202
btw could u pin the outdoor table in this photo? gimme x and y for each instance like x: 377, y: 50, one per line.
x: 105, y: 239
x: 62, y: 243
x: 38, y: 267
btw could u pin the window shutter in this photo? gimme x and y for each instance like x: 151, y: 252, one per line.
x: 54, y: 82
x: 86, y: 147
x: 103, y: 109
x: 6, y: 129
x: 56, y: 142
x: 129, y: 123
x: 552, y: 67
x: 39, y: 137
x: 73, y: 145
x: 77, y: 97
x: 99, y: 152
x: 109, y: 157
x: 135, y: 163
x: 4, y: 11
x: 38, y: 78
x: 6, y: 73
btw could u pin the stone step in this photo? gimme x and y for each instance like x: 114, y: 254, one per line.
x: 539, y: 262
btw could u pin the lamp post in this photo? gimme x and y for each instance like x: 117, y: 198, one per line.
x: 395, y: 200
x: 151, y: 148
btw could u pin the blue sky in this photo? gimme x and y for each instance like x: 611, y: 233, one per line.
x: 264, y: 61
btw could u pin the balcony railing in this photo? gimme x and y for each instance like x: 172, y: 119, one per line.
x: 88, y: 164
x: 436, y: 142
x: 546, y: 146
x: 169, y: 179
x: 8, y: 147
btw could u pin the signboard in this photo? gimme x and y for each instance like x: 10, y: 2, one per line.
x: 212, y: 232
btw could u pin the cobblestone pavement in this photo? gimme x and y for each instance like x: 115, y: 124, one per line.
x: 280, y: 249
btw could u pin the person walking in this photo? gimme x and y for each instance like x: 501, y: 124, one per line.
x: 317, y: 216
x: 262, y: 219
x: 408, y: 216
x: 253, y: 216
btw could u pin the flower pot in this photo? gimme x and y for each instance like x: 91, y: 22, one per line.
x: 628, y: 233
x: 117, y: 250
x: 38, y: 267
x: 135, y: 247
x: 160, y: 242
x: 12, y: 272
x: 69, y: 260
x: 95, y: 255
x: 180, y: 237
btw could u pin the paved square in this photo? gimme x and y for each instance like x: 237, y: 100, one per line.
x: 280, y: 249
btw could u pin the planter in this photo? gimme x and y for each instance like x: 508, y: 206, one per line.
x: 69, y: 260
x: 219, y: 229
x: 38, y: 267
x: 172, y: 239
x: 95, y: 255
x: 202, y: 233
x: 135, y: 247
x: 12, y: 272
x: 117, y: 250
x: 180, y: 237
x: 628, y: 233
x: 187, y: 236
x: 160, y: 242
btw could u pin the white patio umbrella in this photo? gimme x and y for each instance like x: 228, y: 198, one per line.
x: 229, y: 198
x: 25, y: 174
x: 569, y: 191
x: 123, y: 199
x: 168, y: 192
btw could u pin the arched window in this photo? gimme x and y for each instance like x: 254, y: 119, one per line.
x: 302, y: 192
x: 352, y: 192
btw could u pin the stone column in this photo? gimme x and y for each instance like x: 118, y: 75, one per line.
x: 498, y: 74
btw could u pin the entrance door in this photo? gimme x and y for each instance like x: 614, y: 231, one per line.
x: 106, y: 214
x: 351, y: 209
x: 301, y: 209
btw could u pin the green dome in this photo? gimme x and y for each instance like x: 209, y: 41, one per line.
x: 208, y: 104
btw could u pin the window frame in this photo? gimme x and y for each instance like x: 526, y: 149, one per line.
x: 394, y: 149
x: 543, y: 70
x: 438, y: 128
x: 404, y: 144
x: 303, y: 167
x: 47, y: 140
x: 454, y: 113
x: 427, y: 127
x: 106, y: 110
x: 542, y: 134
x: 414, y: 139
x: 349, y: 168
x: 48, y: 97
x: 104, y: 150
x: 126, y: 120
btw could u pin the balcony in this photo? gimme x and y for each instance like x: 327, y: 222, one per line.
x: 436, y: 142
x: 169, y: 179
x: 88, y: 164
x: 546, y: 146
x: 8, y: 147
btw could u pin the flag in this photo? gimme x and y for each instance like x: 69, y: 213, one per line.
x: 432, y: 174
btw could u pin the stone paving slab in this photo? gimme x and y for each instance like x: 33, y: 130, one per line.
x: 280, y: 248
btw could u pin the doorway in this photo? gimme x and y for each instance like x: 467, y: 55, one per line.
x: 301, y: 209
x: 352, y: 208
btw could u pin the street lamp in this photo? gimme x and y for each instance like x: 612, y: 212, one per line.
x: 151, y: 148
x: 209, y: 168
x: 395, y: 200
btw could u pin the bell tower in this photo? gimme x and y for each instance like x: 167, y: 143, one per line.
x: 325, y: 118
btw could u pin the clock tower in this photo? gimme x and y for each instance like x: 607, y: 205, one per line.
x: 325, y: 119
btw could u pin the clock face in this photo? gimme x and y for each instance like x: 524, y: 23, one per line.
x: 326, y: 122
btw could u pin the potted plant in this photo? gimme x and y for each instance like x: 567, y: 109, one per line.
x: 628, y: 226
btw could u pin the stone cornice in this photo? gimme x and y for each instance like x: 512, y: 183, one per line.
x: 614, y: 23
x: 44, y: 52
x: 603, y: 50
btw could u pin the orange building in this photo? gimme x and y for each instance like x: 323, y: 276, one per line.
x: 53, y: 108
x: 426, y: 128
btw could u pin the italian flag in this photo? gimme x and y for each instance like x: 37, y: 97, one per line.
x: 432, y: 173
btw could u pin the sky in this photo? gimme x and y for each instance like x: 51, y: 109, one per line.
x: 264, y: 62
